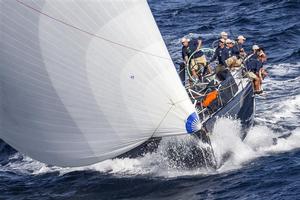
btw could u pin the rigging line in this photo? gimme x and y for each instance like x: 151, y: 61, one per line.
x: 163, y: 119
x: 89, y: 33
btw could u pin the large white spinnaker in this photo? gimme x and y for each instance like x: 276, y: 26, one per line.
x: 86, y: 80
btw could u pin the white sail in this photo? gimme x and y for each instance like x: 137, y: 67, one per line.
x: 86, y: 80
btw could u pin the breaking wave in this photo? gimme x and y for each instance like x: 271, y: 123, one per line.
x: 225, y: 139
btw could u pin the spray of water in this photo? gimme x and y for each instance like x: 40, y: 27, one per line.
x: 230, y: 152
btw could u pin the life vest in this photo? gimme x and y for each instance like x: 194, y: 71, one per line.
x: 209, y: 98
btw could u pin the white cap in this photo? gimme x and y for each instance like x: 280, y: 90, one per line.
x: 223, y: 34
x: 228, y: 41
x: 241, y: 37
x: 255, y: 47
x: 184, y: 40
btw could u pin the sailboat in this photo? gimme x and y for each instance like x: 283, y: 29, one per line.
x: 85, y: 81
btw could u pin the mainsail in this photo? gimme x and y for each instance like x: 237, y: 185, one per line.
x: 86, y: 80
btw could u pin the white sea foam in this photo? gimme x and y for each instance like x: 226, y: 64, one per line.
x: 227, y: 143
x: 260, y: 141
x: 288, y: 108
x: 225, y: 140
x: 284, y: 69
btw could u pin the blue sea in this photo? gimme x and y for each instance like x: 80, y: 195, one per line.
x: 256, y: 168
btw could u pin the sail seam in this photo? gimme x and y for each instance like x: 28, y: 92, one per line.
x: 89, y: 33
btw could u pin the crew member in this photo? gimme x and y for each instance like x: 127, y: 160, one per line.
x: 221, y: 54
x: 256, y: 71
x: 198, y: 59
x: 238, y: 47
x: 253, y: 55
x: 229, y: 46
x: 233, y: 61
x: 224, y: 35
x: 185, y: 58
x: 185, y: 49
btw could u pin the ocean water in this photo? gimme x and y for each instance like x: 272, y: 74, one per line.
x: 254, y: 169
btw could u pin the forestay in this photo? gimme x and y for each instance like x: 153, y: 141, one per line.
x: 86, y: 80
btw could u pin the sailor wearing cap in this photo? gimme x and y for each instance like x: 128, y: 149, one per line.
x: 224, y: 35
x: 254, y: 55
x: 185, y: 49
x: 232, y: 61
x: 255, y: 69
x: 229, y: 46
x: 238, y: 47
x: 255, y: 48
x: 241, y: 39
x: 221, y: 53
x: 198, y: 59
